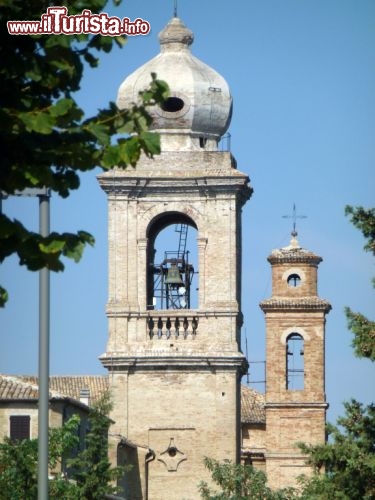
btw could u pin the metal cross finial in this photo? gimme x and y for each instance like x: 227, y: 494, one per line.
x: 175, y: 9
x: 294, y: 216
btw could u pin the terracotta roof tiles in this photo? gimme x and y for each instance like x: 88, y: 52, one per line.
x: 25, y: 387
x: 252, y: 406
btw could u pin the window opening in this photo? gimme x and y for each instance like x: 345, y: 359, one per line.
x: 174, y: 272
x: 202, y: 142
x: 19, y: 427
x: 172, y: 104
x: 295, y: 370
x: 294, y: 280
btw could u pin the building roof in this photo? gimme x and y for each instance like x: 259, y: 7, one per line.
x: 293, y: 253
x: 14, y: 388
x: 71, y: 385
x: 25, y: 388
x: 252, y: 406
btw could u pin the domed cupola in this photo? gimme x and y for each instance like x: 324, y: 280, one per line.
x: 198, y: 111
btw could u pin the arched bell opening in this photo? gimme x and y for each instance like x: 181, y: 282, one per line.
x: 295, y: 370
x: 172, y: 257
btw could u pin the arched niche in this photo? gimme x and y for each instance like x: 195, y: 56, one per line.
x: 172, y: 262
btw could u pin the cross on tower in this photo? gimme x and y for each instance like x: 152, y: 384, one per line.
x: 175, y: 9
x: 294, y: 216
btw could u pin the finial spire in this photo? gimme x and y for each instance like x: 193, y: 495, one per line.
x: 175, y: 9
x: 294, y: 216
x: 175, y: 32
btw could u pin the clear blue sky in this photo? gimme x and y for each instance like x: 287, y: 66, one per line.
x: 302, y: 75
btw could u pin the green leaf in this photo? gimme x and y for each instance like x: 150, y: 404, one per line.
x: 75, y: 244
x: 120, y: 40
x: 125, y: 126
x: 61, y: 107
x: 111, y: 157
x: 32, y: 177
x: 100, y: 132
x: 86, y: 237
x: 34, y: 74
x: 129, y: 151
x: 53, y: 246
x: 74, y: 250
x: 40, y: 122
x: 3, y: 296
x: 93, y: 61
x: 151, y: 142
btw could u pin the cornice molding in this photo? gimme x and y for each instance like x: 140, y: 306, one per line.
x: 161, y: 360
x: 306, y: 404
x: 295, y: 304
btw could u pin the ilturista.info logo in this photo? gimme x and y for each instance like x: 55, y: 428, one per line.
x: 57, y: 22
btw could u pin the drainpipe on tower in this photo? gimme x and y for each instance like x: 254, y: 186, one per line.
x: 150, y: 456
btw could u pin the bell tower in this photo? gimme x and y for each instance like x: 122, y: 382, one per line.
x: 173, y: 353
x: 295, y: 387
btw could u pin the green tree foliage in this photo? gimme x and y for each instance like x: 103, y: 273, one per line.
x: 364, y: 220
x: 91, y: 469
x: 363, y: 328
x: 364, y: 334
x: 45, y: 139
x: 90, y: 472
x: 19, y: 464
x: 239, y: 482
x: 18, y: 469
x: 345, y: 466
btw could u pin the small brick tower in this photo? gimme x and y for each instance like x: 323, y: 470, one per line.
x: 174, y: 368
x: 295, y: 387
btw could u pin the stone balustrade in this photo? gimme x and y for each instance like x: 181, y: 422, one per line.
x: 173, y: 325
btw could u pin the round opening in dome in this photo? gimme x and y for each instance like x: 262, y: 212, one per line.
x: 172, y: 104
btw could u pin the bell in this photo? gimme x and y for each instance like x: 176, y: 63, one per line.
x: 173, y: 278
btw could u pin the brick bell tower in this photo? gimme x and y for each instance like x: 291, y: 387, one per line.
x: 295, y: 386
x: 173, y: 352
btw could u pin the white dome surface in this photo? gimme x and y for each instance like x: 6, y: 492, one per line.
x: 200, y: 104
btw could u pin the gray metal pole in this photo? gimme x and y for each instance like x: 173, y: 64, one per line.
x: 44, y: 321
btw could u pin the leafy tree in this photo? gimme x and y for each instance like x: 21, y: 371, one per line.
x: 19, y: 464
x: 18, y: 469
x: 239, y: 482
x: 345, y: 465
x: 45, y: 139
x: 348, y: 459
x: 91, y: 469
x: 363, y: 328
x: 90, y: 472
x: 364, y: 220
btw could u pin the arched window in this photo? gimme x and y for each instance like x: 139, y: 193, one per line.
x: 294, y: 280
x: 172, y: 262
x: 295, y: 370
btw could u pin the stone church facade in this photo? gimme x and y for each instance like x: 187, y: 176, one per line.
x: 175, y: 369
